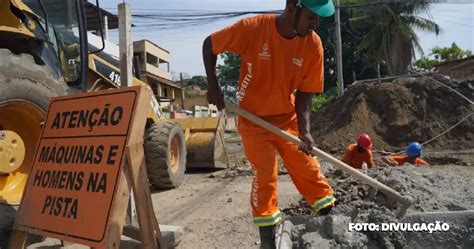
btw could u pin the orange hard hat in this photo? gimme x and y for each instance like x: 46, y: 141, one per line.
x: 364, y: 141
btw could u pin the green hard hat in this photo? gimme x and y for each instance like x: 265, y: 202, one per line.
x: 323, y: 8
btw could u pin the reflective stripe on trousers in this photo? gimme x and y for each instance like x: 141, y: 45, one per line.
x: 270, y: 220
x: 324, y: 202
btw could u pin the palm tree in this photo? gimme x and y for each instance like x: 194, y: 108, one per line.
x: 391, y: 38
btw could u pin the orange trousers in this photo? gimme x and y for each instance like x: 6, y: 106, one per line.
x: 260, y: 149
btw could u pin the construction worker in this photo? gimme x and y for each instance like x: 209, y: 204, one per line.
x: 281, y: 68
x: 359, y: 153
x: 413, y: 153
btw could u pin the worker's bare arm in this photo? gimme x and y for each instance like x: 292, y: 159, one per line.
x: 303, y: 110
x: 214, y: 94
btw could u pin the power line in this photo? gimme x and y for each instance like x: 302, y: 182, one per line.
x: 455, y: 17
x: 395, y: 2
x: 461, y: 24
x: 113, y: 9
x: 167, y: 19
x: 453, y: 11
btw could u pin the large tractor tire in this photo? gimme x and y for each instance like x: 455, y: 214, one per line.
x: 25, y: 89
x: 165, y: 154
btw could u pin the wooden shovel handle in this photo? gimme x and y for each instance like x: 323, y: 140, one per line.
x: 404, y: 200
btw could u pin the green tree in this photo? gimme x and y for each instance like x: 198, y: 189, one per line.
x: 231, y: 67
x: 424, y: 64
x: 321, y: 99
x: 198, y: 80
x: 391, y: 38
x: 439, y: 55
x: 450, y: 53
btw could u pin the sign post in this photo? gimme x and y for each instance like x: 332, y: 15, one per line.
x: 88, y: 159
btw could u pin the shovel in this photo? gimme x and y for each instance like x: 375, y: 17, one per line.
x: 405, y: 201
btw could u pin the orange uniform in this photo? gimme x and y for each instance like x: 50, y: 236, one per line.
x: 272, y: 68
x: 404, y: 159
x: 355, y: 159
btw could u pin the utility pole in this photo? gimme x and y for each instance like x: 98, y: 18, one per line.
x: 182, y: 90
x: 126, y: 53
x: 125, y: 44
x: 340, y: 80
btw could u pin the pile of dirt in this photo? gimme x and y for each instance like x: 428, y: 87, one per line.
x: 396, y: 113
x: 339, y: 230
x: 442, y: 188
x: 428, y: 186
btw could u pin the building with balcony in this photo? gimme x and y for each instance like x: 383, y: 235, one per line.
x: 155, y: 70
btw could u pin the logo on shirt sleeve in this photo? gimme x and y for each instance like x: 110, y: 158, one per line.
x: 265, y: 55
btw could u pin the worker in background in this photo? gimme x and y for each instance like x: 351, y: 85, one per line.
x: 359, y: 153
x: 413, y: 153
x: 281, y: 67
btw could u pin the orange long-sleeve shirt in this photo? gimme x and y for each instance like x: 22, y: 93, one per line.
x: 271, y: 69
x: 404, y: 159
x: 355, y: 159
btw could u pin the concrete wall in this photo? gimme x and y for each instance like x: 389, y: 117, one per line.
x: 231, y: 123
x: 462, y: 73
x: 205, y: 111
x: 192, y: 101
x: 458, y: 70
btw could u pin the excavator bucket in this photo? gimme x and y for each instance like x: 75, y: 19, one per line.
x: 204, y: 142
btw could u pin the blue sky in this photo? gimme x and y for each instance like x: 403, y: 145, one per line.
x: 184, y: 44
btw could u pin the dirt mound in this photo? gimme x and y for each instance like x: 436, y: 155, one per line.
x: 428, y: 186
x: 396, y: 113
x: 342, y: 231
x: 442, y: 188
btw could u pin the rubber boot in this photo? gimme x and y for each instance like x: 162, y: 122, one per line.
x: 325, y: 211
x: 267, y: 237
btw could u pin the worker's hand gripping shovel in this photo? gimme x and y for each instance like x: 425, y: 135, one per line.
x: 405, y: 201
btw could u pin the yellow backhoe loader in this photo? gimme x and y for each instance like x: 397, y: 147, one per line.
x: 44, y: 52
